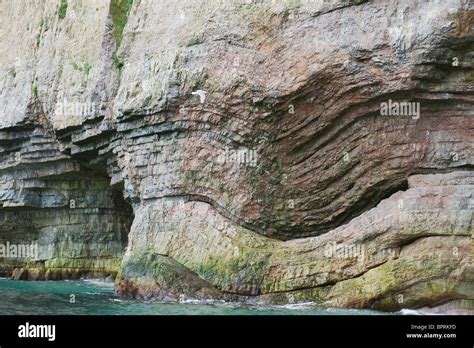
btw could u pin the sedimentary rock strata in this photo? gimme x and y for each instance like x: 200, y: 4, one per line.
x: 243, y: 150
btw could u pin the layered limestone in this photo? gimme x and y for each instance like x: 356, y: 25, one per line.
x: 74, y: 222
x: 249, y: 143
x: 413, y: 248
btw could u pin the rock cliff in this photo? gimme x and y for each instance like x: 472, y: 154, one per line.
x: 262, y: 151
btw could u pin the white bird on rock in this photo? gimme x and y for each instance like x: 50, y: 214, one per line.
x: 201, y: 94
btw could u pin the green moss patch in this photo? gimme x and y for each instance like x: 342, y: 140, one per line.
x: 62, y: 10
x: 118, y: 11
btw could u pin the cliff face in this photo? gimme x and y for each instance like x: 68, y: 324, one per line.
x: 270, y: 152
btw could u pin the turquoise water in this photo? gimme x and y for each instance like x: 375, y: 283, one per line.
x: 97, y: 298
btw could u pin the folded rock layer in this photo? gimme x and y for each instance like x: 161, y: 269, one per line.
x: 257, y: 151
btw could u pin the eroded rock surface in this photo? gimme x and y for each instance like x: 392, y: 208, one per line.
x: 246, y: 142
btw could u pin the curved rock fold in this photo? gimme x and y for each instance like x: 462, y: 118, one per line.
x: 238, y: 150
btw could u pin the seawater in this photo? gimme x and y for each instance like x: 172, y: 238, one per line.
x: 97, y: 298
